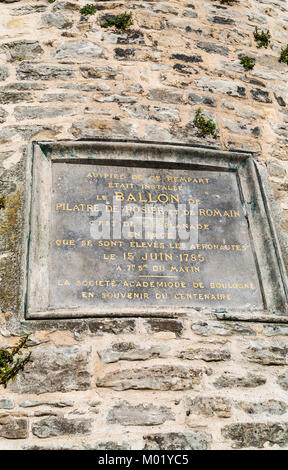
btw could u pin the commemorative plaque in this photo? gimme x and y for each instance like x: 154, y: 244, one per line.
x: 147, y: 236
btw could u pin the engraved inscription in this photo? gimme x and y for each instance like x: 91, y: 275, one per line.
x: 117, y: 238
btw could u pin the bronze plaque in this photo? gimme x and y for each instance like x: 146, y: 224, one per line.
x: 125, y: 235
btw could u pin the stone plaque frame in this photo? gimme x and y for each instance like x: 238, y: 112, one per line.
x: 268, y: 251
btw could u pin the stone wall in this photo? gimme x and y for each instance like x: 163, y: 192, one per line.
x: 181, y: 383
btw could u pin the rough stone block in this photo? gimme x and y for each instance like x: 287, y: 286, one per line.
x: 55, y: 370
x: 59, y: 426
x: 196, y: 440
x: 144, y: 414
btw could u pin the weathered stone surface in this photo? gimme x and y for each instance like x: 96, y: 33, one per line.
x: 7, y: 97
x: 116, y: 99
x: 260, y: 95
x: 269, y: 407
x: 132, y: 352
x: 13, y: 428
x: 108, y: 445
x: 275, y: 330
x: 91, y: 128
x: 166, y: 96
x: 156, y: 325
x: 159, y: 113
x: 28, y: 71
x: 194, y: 98
x: 39, y: 112
x: 231, y: 88
x: 144, y: 414
x: 103, y: 72
x: 6, y: 403
x: 78, y: 49
x: 32, y: 404
x: 267, y: 354
x: 283, y: 380
x: 208, y: 406
x: 59, y: 426
x: 56, y: 20
x: 161, y: 377
x: 55, y: 370
x: 221, y: 328
x: 213, y: 48
x: 188, y: 58
x: 196, y: 440
x: 3, y: 115
x: 257, y: 434
x: 112, y: 326
x: 22, y: 50
x: 228, y: 380
x: 205, y: 354
x: 62, y: 97
x: 3, y: 73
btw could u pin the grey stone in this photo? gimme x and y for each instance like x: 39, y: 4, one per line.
x: 275, y: 169
x: 166, y: 96
x: 3, y: 73
x: 39, y: 112
x: 78, y: 49
x: 196, y: 440
x: 132, y: 352
x: 283, y: 380
x: 269, y: 407
x: 205, y: 354
x: 66, y: 6
x: 144, y: 414
x: 194, y: 98
x: 204, y: 328
x: 62, y: 97
x: 56, y: 20
x: 159, y: 113
x: 160, y: 377
x: 115, y: 99
x: 274, y: 354
x: 221, y: 20
x: 55, y: 370
x: 124, y: 37
x: 156, y: 325
x: 228, y: 380
x: 231, y: 88
x: 90, y: 128
x: 7, y: 97
x: 28, y: 9
x: 108, y: 445
x: 112, y: 326
x: 103, y: 72
x: 261, y: 95
x: 124, y: 54
x: 3, y: 115
x: 239, y: 127
x: 22, y: 50
x: 23, y: 86
x: 6, y: 403
x: 190, y: 14
x: 59, y: 426
x: 195, y: 58
x: 30, y: 131
x: 157, y: 133
x: 257, y: 434
x: 213, y: 48
x: 275, y: 330
x: 32, y: 404
x: 28, y: 71
x: 13, y: 428
x: 208, y: 406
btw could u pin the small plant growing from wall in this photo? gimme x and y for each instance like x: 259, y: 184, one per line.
x: 284, y: 55
x: 262, y: 38
x: 11, y: 363
x: 122, y: 21
x: 247, y: 62
x: 88, y: 9
x: 205, y: 126
x: 2, y: 202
